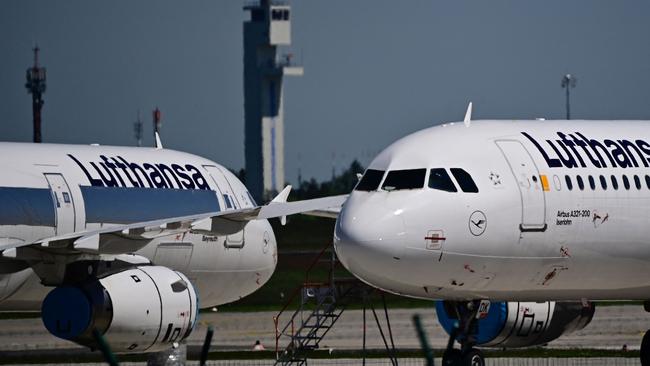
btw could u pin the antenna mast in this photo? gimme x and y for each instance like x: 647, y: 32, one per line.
x: 36, y: 87
x: 568, y: 81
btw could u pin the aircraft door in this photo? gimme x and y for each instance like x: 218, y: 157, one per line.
x: 228, y: 201
x: 533, y: 204
x: 63, y: 203
x: 228, y: 197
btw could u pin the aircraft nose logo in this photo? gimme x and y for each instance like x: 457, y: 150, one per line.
x: 477, y: 223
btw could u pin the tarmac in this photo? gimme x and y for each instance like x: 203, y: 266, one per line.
x: 611, y: 328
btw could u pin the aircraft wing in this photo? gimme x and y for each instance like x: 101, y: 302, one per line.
x: 102, y: 241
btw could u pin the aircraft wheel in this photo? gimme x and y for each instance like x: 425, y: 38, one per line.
x: 473, y: 357
x: 451, y: 357
x: 645, y: 349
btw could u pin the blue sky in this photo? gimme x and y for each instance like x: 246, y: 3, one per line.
x: 374, y: 70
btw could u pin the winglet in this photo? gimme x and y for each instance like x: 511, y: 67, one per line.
x: 158, y: 142
x: 468, y: 115
x: 282, y: 198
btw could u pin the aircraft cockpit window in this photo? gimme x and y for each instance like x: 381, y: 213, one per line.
x: 227, y: 200
x: 251, y: 199
x: 439, y: 179
x: 464, y: 180
x: 404, y: 179
x: 370, y: 180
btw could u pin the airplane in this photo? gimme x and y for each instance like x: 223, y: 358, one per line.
x: 513, y: 227
x: 129, y: 242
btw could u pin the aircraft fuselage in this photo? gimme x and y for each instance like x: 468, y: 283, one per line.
x: 559, y: 211
x: 48, y: 190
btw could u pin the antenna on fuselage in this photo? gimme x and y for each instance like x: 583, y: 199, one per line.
x: 158, y: 142
x: 468, y: 115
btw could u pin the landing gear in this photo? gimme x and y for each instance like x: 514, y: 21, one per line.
x: 645, y: 349
x: 645, y: 343
x: 473, y: 357
x: 467, y: 355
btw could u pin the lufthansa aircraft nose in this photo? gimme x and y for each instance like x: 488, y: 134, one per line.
x: 369, y: 235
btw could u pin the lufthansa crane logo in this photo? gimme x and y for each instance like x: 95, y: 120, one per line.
x: 477, y: 223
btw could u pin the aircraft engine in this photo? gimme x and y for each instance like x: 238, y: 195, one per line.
x: 141, y: 309
x: 521, y: 324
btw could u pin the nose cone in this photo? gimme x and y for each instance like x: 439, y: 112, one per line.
x: 369, y: 236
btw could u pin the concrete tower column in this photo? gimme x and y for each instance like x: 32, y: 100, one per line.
x: 268, y: 28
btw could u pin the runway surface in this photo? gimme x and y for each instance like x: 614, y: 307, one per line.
x: 611, y: 328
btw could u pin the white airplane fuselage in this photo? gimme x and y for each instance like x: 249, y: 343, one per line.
x: 48, y: 190
x: 562, y: 212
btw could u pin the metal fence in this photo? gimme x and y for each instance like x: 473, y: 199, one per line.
x: 590, y: 361
x: 605, y: 361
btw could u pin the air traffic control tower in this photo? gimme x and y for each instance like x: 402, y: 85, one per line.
x: 268, y: 28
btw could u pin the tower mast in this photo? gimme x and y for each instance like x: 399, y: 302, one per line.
x: 36, y: 87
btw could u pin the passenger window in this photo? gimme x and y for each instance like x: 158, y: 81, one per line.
x: 637, y: 182
x: 404, y: 179
x: 558, y: 184
x: 569, y: 185
x: 614, y: 183
x: 603, y: 182
x: 581, y: 184
x: 626, y: 182
x: 370, y: 180
x: 592, y: 183
x: 464, y: 180
x: 439, y: 179
x: 647, y: 181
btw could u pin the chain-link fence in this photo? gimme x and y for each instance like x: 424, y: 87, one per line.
x: 421, y: 362
x: 587, y: 361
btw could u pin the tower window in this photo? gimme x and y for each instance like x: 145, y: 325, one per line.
x: 276, y: 14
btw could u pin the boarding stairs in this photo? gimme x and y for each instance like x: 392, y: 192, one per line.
x: 320, y: 305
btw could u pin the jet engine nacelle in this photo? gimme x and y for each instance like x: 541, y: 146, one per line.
x: 521, y: 324
x: 141, y: 309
